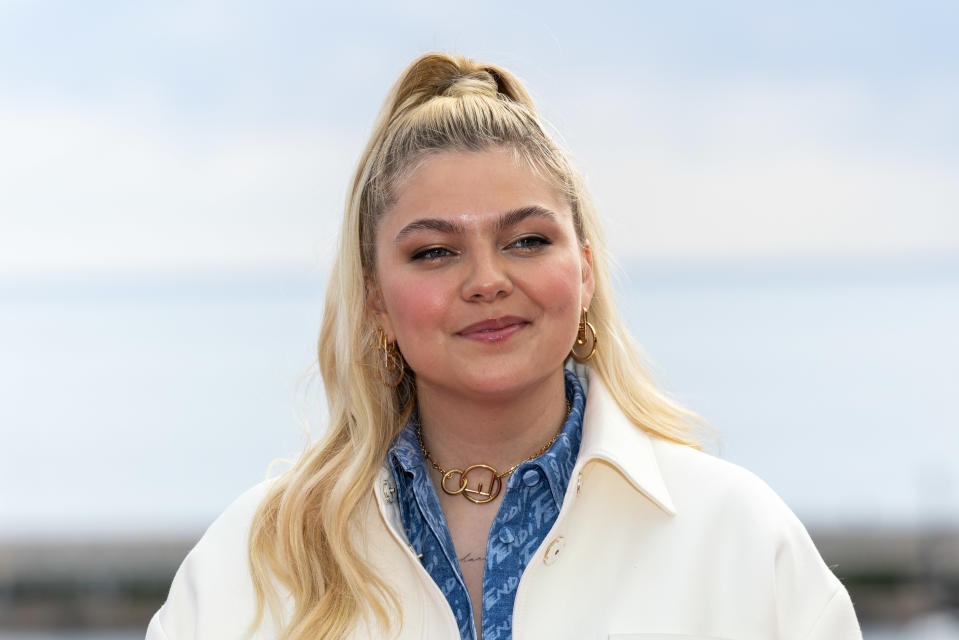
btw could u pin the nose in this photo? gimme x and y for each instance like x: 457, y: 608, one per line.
x: 486, y: 278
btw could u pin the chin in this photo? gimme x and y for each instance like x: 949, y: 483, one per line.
x: 493, y: 383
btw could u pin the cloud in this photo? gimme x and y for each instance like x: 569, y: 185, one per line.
x: 92, y: 190
x: 763, y: 170
x: 724, y: 171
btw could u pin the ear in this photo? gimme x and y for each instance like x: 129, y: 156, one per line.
x: 377, y: 308
x: 589, y: 283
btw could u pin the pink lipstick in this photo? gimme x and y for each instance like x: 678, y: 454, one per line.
x: 494, y: 329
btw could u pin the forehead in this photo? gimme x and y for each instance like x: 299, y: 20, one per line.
x: 471, y: 186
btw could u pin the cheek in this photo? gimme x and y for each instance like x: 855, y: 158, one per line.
x: 560, y: 290
x: 414, y: 307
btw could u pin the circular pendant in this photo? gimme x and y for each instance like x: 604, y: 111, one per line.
x: 485, y: 476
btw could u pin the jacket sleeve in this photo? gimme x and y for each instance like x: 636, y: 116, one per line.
x: 837, y: 619
x: 212, y: 594
x: 812, y: 604
x: 155, y: 630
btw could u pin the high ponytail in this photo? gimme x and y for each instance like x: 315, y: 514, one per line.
x: 438, y: 75
x: 302, y: 539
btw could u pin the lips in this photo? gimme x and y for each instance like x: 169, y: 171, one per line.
x: 494, y: 329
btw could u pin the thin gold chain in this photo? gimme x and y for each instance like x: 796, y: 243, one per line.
x: 542, y: 450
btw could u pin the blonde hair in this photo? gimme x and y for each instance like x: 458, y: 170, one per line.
x: 301, y: 537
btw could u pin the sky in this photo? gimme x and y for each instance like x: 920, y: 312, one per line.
x: 186, y: 136
x: 738, y: 151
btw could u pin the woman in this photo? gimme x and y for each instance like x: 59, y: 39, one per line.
x: 498, y: 463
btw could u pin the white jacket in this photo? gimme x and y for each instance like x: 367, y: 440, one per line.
x: 654, y: 541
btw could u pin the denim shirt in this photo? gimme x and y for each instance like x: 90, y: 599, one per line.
x: 534, y: 495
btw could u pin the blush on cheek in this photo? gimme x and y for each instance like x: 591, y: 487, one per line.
x: 416, y: 313
x: 561, y: 294
x: 561, y: 288
x: 416, y: 304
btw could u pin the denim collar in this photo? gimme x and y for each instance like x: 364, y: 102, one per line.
x: 556, y: 464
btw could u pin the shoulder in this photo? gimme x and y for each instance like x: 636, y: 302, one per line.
x: 226, y: 540
x: 232, y: 527
x: 705, y: 487
x: 212, y: 593
x: 733, y: 503
x: 748, y: 521
x: 740, y: 509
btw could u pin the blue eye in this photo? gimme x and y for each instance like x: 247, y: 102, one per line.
x: 432, y: 253
x: 530, y: 242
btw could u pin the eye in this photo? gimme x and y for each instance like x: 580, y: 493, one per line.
x: 529, y: 243
x: 431, y: 254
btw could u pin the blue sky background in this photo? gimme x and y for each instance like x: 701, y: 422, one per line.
x: 181, y: 135
x: 780, y: 185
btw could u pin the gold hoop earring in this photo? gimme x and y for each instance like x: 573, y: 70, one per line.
x: 390, y: 368
x: 585, y: 340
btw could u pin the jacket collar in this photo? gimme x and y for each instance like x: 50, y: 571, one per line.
x: 609, y: 436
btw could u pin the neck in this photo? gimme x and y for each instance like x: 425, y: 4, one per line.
x: 498, y: 431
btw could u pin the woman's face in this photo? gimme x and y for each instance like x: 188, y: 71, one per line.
x: 480, y: 278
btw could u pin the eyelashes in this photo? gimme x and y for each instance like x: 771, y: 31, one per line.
x: 431, y: 254
x: 528, y: 244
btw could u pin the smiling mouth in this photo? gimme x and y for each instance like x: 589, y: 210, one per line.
x: 493, y: 330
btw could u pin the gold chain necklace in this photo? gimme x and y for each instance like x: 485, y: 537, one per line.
x: 478, y: 496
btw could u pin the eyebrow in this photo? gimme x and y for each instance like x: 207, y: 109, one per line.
x: 509, y: 219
